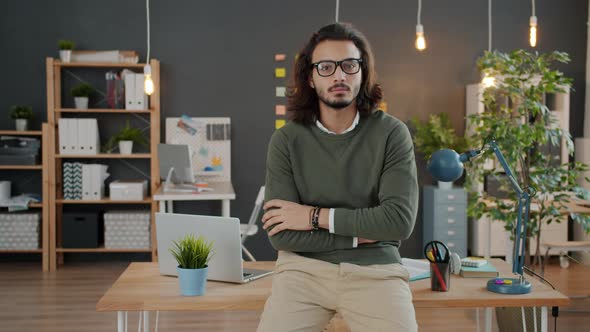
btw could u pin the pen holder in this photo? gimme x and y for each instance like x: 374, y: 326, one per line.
x: 440, y: 276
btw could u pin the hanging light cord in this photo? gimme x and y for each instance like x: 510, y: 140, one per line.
x: 147, y: 8
x: 337, y: 9
x: 533, y: 2
x: 489, y: 25
x: 419, y: 11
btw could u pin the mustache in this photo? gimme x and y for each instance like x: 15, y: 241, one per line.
x: 338, y: 86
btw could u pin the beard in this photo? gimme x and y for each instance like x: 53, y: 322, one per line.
x: 336, y: 103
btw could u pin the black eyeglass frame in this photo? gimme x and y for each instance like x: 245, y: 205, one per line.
x: 338, y: 64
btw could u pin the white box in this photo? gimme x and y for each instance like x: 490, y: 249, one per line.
x: 141, y: 99
x: 134, y: 190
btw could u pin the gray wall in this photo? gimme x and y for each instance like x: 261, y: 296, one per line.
x: 217, y: 60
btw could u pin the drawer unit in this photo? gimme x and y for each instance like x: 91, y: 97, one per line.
x: 445, y: 217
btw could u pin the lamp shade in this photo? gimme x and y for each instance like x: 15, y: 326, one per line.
x: 445, y: 165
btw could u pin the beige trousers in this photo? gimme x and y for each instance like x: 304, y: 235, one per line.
x: 306, y: 293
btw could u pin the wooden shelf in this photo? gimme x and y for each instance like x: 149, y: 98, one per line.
x: 102, y: 249
x: 102, y: 201
x: 31, y: 205
x: 21, y: 133
x: 58, y: 63
x: 105, y: 156
x: 101, y: 110
x: 24, y: 167
x: 21, y: 251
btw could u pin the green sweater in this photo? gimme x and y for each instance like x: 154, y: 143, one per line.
x: 367, y: 175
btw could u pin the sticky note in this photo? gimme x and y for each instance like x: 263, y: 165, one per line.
x: 280, y: 110
x: 280, y: 72
x: 280, y: 91
x: 383, y: 106
x: 280, y: 57
x: 279, y: 123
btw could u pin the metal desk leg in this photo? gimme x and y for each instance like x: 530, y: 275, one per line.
x: 225, y: 208
x: 162, y: 206
x: 477, y: 318
x: 120, y: 321
x: 488, y: 319
x: 146, y: 321
x: 544, y: 318
x: 170, y: 206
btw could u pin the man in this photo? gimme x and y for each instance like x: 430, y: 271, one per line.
x: 341, y: 193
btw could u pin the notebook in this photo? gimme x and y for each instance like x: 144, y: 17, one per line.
x: 473, y: 262
x: 484, y: 271
x: 418, y: 269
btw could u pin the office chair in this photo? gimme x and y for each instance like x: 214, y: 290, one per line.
x: 251, y: 228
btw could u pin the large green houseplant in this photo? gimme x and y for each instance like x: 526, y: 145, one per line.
x: 435, y: 134
x: 517, y: 117
x: 192, y: 255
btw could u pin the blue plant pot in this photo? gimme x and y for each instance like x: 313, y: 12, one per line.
x: 192, y: 281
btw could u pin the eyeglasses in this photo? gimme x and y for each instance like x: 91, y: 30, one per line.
x: 328, y: 68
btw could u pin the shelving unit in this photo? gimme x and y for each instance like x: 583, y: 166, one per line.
x: 55, y: 110
x: 45, y: 249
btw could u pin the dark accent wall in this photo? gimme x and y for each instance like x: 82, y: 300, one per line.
x: 217, y: 60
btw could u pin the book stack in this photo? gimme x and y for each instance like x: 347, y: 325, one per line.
x: 114, y: 56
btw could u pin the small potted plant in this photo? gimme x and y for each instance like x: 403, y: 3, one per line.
x: 125, y: 138
x: 193, y: 256
x: 21, y: 115
x: 81, y: 94
x: 65, y: 50
x: 435, y: 134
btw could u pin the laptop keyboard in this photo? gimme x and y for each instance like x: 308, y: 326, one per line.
x: 246, y: 274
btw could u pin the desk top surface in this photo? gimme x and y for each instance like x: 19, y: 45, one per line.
x: 141, y: 287
x: 221, y: 190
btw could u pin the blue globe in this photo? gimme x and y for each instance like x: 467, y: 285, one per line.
x: 445, y: 165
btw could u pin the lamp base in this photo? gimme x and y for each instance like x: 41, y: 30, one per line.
x: 509, y: 286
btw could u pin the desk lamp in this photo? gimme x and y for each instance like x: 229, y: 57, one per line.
x: 447, y: 165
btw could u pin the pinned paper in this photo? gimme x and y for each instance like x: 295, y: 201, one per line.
x: 280, y: 57
x: 280, y: 91
x: 279, y: 123
x: 280, y: 110
x: 383, y: 106
x: 203, y: 151
x: 280, y: 72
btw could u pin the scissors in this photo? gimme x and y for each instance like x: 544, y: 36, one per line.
x: 437, y: 252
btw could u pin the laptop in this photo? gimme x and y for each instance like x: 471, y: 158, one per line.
x: 226, y: 263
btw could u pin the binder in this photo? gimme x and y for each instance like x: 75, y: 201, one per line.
x: 141, y: 99
x: 93, y: 137
x: 130, y: 92
x: 63, y: 125
x: 86, y: 182
x: 72, y: 136
x: 82, y: 139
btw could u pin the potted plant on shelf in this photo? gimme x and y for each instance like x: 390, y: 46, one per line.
x: 516, y: 115
x: 125, y: 138
x: 65, y: 50
x: 193, y: 256
x: 81, y: 94
x: 21, y: 115
x: 435, y: 134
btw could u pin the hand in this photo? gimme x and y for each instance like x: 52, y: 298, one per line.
x: 287, y: 215
x: 364, y: 241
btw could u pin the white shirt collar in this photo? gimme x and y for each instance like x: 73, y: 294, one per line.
x: 354, y: 123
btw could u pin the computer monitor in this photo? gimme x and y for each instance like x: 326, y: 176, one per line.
x: 176, y: 165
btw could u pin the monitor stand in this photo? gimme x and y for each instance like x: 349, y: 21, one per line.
x: 170, y: 187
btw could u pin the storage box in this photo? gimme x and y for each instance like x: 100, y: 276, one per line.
x: 127, y: 229
x: 81, y: 230
x: 19, y: 231
x: 134, y: 190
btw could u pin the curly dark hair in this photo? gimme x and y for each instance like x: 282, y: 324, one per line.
x: 303, y: 103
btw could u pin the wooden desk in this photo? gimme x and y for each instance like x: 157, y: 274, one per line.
x: 142, y: 288
x: 222, y: 191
